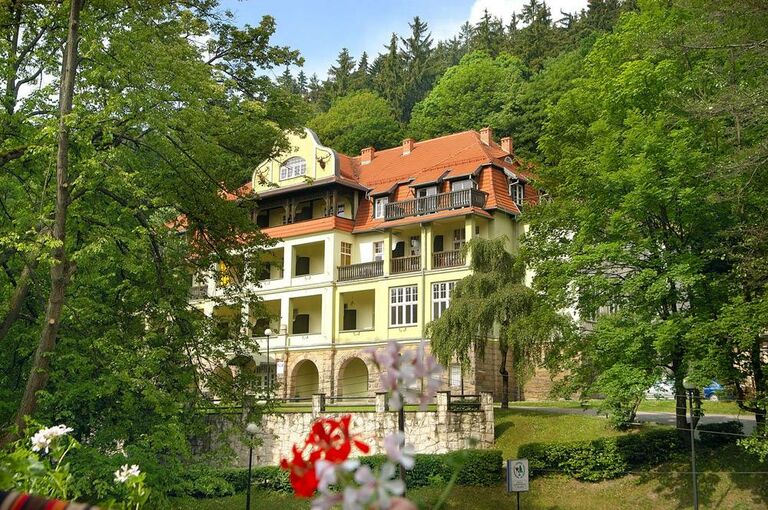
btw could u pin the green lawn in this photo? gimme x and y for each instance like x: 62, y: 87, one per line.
x: 662, y: 488
x: 664, y: 406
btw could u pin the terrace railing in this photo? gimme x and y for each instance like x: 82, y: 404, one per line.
x: 434, y: 203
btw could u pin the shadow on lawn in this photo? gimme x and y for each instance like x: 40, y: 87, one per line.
x: 728, y: 465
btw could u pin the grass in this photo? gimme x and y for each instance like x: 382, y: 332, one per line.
x: 651, y: 405
x: 662, y: 488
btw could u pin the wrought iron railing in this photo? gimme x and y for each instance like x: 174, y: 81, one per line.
x: 451, y: 258
x: 363, y: 270
x: 434, y: 203
x: 405, y: 264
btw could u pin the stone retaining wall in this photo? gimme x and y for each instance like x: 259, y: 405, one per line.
x: 437, y: 431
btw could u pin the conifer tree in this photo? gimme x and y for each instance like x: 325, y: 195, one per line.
x: 340, y: 76
x: 388, y: 81
x: 301, y: 83
x: 419, y: 70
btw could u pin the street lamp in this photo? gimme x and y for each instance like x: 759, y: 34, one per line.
x: 251, y: 429
x: 268, y: 333
x: 690, y: 386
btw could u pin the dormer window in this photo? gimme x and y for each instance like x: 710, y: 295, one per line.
x: 380, y: 204
x: 293, y: 167
x: 517, y: 192
x: 462, y: 184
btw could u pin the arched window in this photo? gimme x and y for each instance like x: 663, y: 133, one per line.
x: 293, y: 167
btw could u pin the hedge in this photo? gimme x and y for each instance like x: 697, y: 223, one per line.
x: 714, y: 435
x: 476, y: 467
x: 602, y: 459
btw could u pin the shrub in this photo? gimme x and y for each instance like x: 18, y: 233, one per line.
x: 270, y: 478
x: 714, y: 435
x: 602, y: 459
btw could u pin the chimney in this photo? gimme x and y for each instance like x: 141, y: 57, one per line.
x: 506, y: 145
x: 366, y: 155
x: 407, y: 146
x: 486, y: 135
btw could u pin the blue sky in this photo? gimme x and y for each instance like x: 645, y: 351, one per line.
x: 319, y: 29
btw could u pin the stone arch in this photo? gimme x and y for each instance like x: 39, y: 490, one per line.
x: 305, y: 379
x: 353, y: 378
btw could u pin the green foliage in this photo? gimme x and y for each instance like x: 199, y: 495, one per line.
x: 605, y: 458
x: 359, y: 120
x: 467, y: 95
x: 715, y: 435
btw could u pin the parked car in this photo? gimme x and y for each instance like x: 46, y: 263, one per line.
x: 714, y: 392
x: 661, y: 390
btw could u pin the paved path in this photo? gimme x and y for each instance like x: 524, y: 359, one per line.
x: 648, y: 417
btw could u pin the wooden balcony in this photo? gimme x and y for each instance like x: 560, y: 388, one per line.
x: 445, y: 259
x: 405, y: 264
x: 360, y: 271
x: 440, y: 202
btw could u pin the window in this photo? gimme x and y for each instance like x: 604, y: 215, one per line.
x: 462, y: 184
x: 293, y: 167
x: 459, y: 238
x: 455, y: 371
x: 340, y: 210
x: 429, y: 191
x: 346, y: 254
x: 379, y: 207
x: 415, y: 246
x: 441, y: 298
x: 378, y: 250
x: 517, y: 192
x: 403, y: 306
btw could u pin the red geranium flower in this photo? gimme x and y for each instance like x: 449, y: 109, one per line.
x: 302, y: 474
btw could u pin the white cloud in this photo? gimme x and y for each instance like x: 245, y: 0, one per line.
x: 504, y: 8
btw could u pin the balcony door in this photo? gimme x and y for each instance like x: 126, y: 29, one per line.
x: 427, y: 199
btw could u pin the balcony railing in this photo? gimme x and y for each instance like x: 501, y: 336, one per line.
x: 448, y: 259
x: 198, y: 292
x: 359, y: 271
x: 434, y: 203
x: 405, y: 264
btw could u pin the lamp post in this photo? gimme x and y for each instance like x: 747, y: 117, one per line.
x: 251, y: 429
x: 690, y: 386
x: 268, y: 333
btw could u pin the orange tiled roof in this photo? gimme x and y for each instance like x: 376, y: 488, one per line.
x: 390, y: 172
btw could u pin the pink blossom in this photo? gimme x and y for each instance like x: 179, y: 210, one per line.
x: 398, y: 451
x: 410, y: 376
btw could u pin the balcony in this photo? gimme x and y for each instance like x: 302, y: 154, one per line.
x: 360, y: 271
x: 440, y: 202
x: 405, y: 264
x: 445, y: 259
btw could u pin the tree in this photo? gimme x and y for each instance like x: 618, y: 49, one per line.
x: 492, y: 305
x: 359, y: 120
x: 158, y: 129
x: 340, y: 76
x: 488, y: 35
x: 419, y: 68
x: 388, y: 82
x: 467, y: 95
x: 362, y: 77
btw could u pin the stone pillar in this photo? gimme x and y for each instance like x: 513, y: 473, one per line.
x: 486, y: 407
x: 443, y: 397
x: 382, y: 402
x: 318, y: 404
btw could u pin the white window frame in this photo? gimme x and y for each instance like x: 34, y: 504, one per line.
x: 517, y: 192
x: 380, y: 206
x: 378, y: 250
x: 346, y: 254
x: 441, y: 297
x: 462, y: 184
x: 293, y: 167
x: 455, y: 376
x: 403, y: 306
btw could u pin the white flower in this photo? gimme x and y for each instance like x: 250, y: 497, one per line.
x: 411, y: 376
x: 399, y: 452
x: 125, y: 473
x: 43, y: 438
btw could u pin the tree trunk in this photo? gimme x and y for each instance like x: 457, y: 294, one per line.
x: 60, y: 270
x: 17, y: 300
x: 504, y: 378
x: 681, y: 400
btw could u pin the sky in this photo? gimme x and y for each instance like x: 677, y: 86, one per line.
x: 319, y: 29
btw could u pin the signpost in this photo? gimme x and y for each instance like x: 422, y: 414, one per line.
x: 517, y: 477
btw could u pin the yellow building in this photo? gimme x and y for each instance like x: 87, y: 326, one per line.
x: 368, y: 250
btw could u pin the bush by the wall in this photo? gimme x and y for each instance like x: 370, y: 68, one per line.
x: 268, y: 478
x: 602, y: 459
x: 476, y: 467
x: 714, y: 435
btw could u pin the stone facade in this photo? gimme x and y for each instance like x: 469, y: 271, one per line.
x: 437, y: 431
